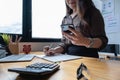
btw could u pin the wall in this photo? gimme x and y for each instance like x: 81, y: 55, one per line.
x: 36, y: 46
x: 114, y: 38
x: 112, y: 22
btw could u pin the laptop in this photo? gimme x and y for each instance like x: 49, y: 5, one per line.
x: 17, y: 58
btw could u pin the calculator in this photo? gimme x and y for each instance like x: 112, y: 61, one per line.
x: 37, y: 69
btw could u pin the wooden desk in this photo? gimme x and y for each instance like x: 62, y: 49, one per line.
x: 99, y: 69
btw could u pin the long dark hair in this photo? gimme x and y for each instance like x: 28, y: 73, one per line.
x: 83, y: 9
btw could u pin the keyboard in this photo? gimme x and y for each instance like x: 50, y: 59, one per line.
x: 17, y: 58
x: 37, y: 69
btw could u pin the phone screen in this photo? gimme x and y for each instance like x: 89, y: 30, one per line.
x: 65, y: 28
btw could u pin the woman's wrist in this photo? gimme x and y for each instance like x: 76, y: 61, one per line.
x: 58, y: 49
x: 91, y: 43
x: 88, y: 42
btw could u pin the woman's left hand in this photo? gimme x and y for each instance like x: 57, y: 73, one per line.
x: 75, y: 37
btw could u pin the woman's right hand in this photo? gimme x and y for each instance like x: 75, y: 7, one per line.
x: 52, y: 51
x: 48, y: 51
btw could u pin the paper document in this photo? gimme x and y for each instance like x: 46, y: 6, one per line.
x: 58, y: 58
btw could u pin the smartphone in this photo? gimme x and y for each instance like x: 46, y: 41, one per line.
x: 65, y: 27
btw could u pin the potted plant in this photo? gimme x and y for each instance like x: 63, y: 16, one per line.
x: 11, y: 46
x: 6, y: 39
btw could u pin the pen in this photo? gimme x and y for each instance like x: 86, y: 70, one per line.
x: 51, y: 45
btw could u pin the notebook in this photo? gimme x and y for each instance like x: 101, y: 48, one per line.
x: 17, y: 58
x: 59, y: 57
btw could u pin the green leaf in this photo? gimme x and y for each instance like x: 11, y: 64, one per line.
x: 6, y: 38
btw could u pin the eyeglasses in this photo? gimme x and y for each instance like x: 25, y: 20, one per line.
x: 80, y: 75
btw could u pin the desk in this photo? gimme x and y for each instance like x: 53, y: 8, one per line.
x: 99, y: 69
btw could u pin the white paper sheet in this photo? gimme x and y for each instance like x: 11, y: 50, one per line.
x: 59, y: 58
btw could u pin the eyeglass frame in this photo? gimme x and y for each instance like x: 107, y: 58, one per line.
x: 79, y: 71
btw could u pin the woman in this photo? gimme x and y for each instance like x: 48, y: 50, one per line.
x: 88, y: 35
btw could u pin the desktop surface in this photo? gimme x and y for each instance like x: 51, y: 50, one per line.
x: 99, y: 69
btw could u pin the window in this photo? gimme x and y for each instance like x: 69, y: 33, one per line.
x: 11, y: 16
x: 35, y: 20
x: 47, y: 16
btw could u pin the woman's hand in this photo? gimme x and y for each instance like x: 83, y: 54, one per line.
x: 75, y: 37
x: 52, y: 51
x: 48, y: 51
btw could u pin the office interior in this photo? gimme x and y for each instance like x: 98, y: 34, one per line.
x: 110, y: 69
x: 38, y: 43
